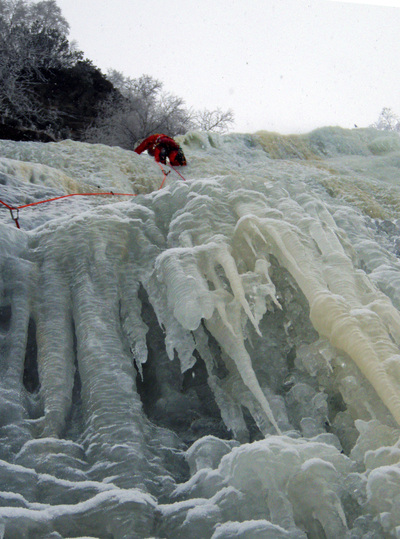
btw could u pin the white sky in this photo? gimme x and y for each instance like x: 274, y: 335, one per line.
x: 281, y: 65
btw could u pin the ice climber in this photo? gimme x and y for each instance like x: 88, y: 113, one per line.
x: 160, y: 147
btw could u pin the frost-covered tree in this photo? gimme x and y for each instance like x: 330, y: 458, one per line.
x: 45, y: 14
x: 49, y: 15
x: 213, y: 120
x: 143, y: 108
x: 33, y: 39
x: 34, y: 36
x: 140, y: 109
x: 387, y: 121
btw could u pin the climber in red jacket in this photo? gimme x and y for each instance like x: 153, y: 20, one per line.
x: 160, y: 147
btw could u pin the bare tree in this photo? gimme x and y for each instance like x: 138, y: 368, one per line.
x: 387, y: 121
x: 213, y: 120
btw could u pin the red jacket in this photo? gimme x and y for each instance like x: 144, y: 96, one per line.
x: 160, y: 147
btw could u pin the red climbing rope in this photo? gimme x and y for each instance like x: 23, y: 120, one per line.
x: 15, y: 216
x: 76, y: 195
x: 14, y: 210
x: 179, y: 174
x: 165, y: 174
x: 7, y: 206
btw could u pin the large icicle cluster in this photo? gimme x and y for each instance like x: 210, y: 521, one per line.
x: 217, y: 358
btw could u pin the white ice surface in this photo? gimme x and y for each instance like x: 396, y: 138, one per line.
x: 280, y: 275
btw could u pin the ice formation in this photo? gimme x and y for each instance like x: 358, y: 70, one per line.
x: 218, y: 358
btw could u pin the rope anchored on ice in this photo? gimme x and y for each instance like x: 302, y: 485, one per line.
x: 14, y: 210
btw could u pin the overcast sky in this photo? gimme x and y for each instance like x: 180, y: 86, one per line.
x: 281, y: 65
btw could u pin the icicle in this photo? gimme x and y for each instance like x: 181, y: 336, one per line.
x: 132, y: 323
x: 177, y: 338
x: 331, y: 313
x: 261, y: 267
x: 187, y: 292
x: 231, y: 412
x: 234, y: 347
x: 227, y: 262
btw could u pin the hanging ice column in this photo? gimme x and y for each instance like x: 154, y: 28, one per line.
x: 345, y: 307
x: 203, y: 282
x: 17, y: 282
x: 90, y: 269
x: 186, y: 273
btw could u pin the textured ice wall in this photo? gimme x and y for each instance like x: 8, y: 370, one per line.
x: 218, y: 358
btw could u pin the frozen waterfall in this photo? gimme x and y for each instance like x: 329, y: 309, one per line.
x: 218, y: 358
